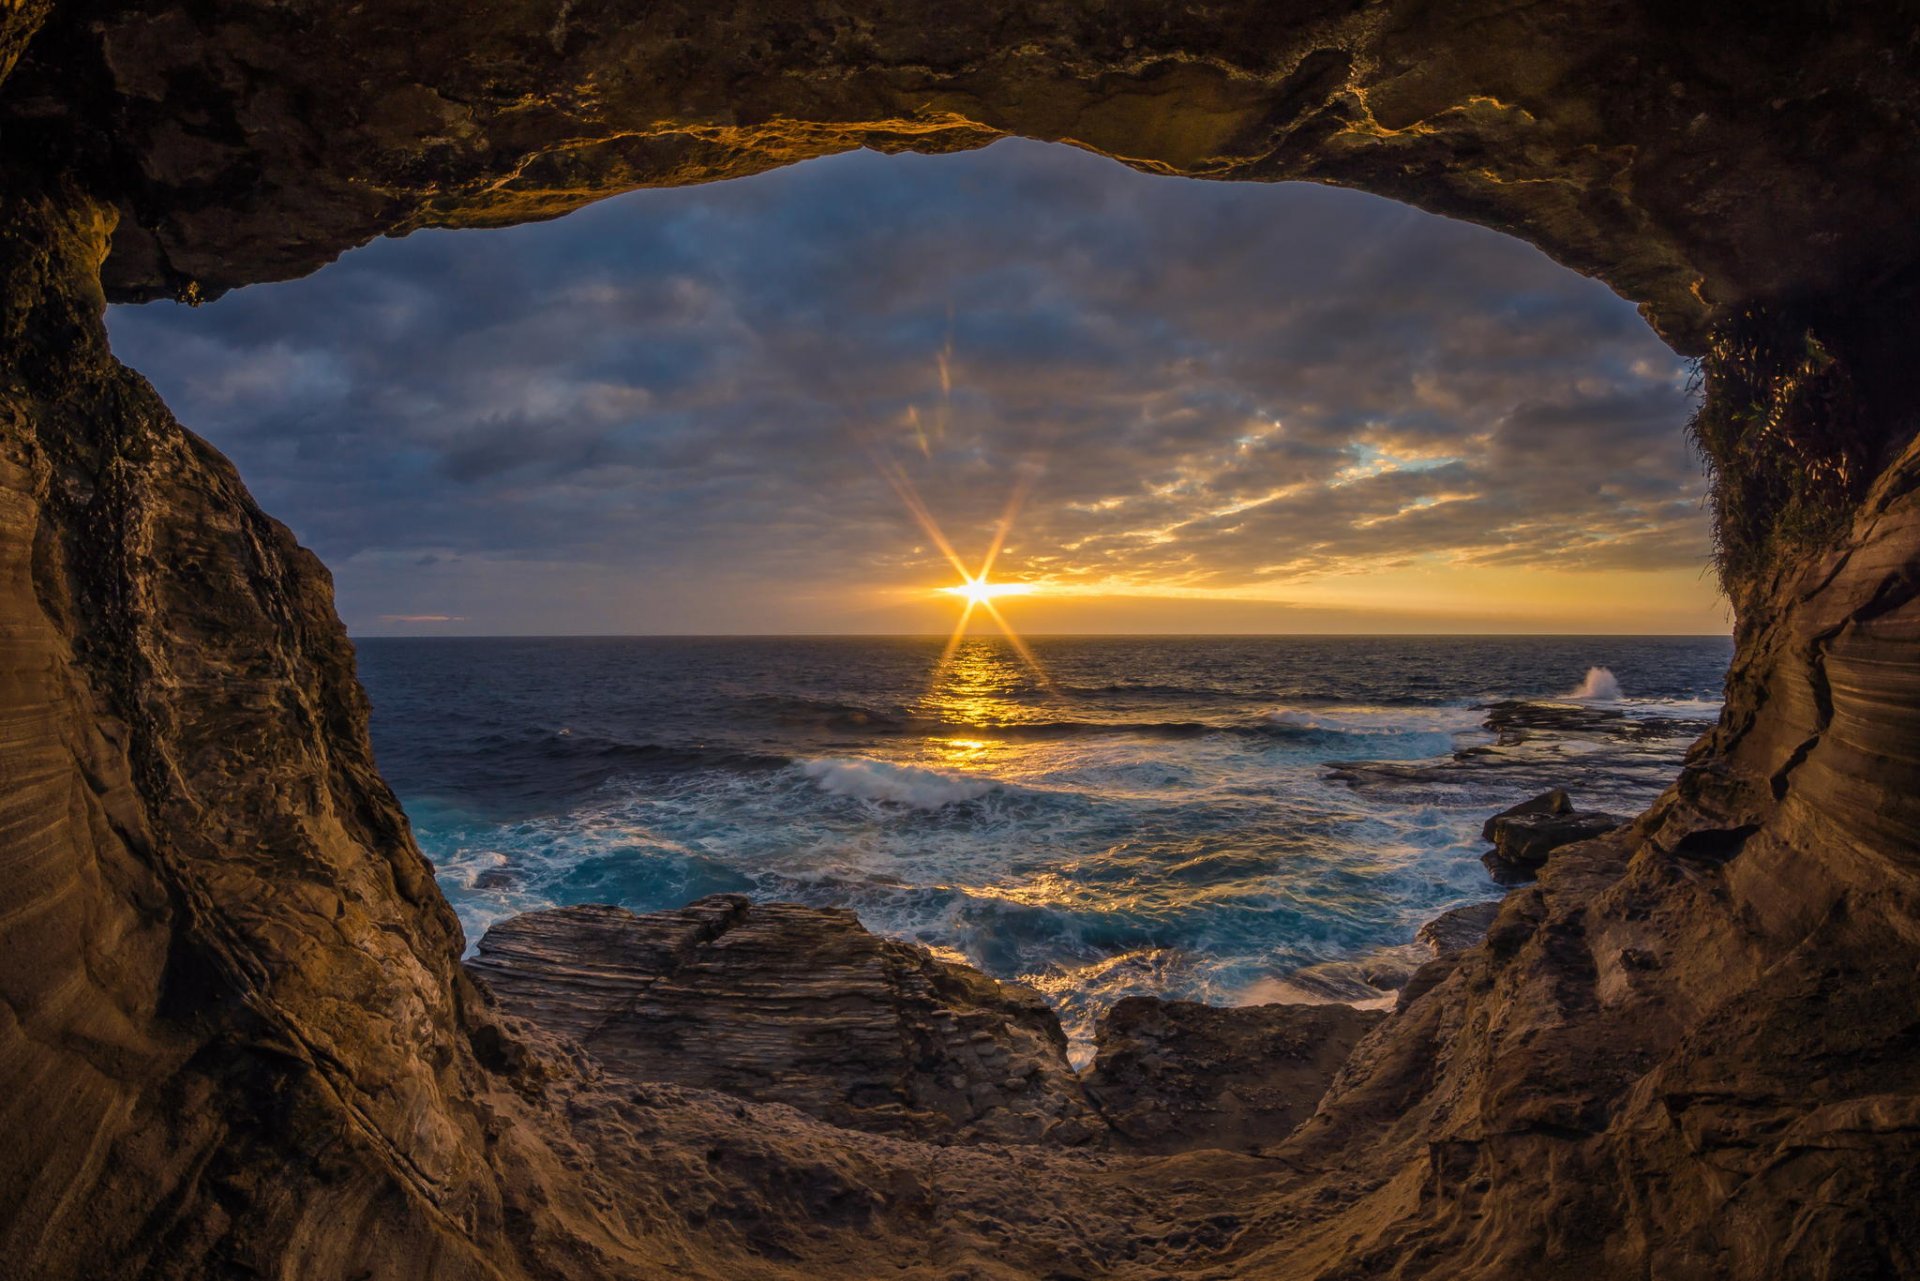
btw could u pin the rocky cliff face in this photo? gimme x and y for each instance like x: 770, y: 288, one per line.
x: 235, y: 1038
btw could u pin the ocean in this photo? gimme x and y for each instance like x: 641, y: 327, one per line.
x: 1224, y: 819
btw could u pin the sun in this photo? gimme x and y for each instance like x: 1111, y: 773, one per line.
x: 978, y: 591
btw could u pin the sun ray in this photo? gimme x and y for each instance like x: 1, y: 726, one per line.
x: 974, y: 587
x: 1019, y: 646
x: 903, y: 486
x: 1014, y: 503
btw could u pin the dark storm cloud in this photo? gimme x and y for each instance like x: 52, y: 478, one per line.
x: 1214, y: 385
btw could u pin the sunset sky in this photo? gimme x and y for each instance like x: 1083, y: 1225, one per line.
x: 1230, y: 408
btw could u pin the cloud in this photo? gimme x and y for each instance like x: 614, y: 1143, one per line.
x: 664, y: 412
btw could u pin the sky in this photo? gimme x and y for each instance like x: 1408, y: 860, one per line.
x: 1219, y: 407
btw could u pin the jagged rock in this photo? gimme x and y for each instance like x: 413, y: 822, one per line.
x: 795, y: 1005
x: 1459, y: 929
x: 1522, y: 842
x: 1171, y: 1076
x: 1555, y: 802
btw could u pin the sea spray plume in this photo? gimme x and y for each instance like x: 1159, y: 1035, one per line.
x: 1600, y: 683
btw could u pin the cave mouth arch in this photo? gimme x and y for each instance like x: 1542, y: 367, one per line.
x: 1201, y: 390
x: 227, y: 909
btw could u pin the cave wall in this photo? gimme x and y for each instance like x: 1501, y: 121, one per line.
x: 235, y: 1039
x: 231, y: 997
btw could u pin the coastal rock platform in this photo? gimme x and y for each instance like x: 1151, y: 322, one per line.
x: 797, y: 1005
x: 779, y: 1003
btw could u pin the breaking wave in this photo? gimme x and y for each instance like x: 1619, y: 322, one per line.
x: 1600, y: 684
x: 909, y: 785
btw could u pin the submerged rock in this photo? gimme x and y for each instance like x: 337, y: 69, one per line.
x: 1175, y: 1075
x: 787, y: 1004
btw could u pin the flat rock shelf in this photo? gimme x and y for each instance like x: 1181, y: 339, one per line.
x: 780, y: 1003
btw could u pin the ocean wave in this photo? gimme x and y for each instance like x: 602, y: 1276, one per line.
x: 1094, y: 729
x: 1367, y: 722
x: 1147, y: 691
x: 832, y: 714
x: 909, y: 785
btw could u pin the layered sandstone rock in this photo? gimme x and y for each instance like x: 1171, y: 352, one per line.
x: 781, y: 1003
x: 795, y: 1005
x: 1696, y: 159
x: 235, y: 1038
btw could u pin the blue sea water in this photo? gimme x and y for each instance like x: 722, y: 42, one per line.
x: 1141, y: 815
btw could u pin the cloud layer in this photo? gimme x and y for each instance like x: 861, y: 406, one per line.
x: 671, y: 412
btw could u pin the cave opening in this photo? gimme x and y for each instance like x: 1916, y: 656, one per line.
x: 1381, y: 471
x: 235, y: 1025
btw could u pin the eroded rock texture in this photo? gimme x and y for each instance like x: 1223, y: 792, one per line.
x: 1697, y: 155
x: 795, y: 1005
x: 1171, y: 1076
x: 235, y: 1039
x: 232, y: 1017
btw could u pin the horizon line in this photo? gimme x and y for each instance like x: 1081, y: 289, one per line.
x: 938, y: 636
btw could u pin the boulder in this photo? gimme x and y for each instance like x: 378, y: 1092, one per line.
x: 781, y: 1003
x: 1555, y: 802
x: 1522, y: 843
x: 1172, y: 1076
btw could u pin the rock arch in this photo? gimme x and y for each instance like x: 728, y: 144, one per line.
x: 234, y: 1034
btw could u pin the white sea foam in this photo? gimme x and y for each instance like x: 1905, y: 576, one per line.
x: 1600, y: 684
x: 1364, y: 719
x: 1292, y: 718
x: 870, y: 780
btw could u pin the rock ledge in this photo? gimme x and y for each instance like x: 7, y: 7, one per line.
x: 787, y: 1004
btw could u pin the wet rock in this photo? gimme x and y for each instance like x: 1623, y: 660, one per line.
x: 1536, y: 747
x: 1523, y: 842
x: 1171, y: 1076
x: 1555, y: 802
x: 798, y: 1005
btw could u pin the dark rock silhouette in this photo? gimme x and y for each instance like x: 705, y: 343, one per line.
x: 236, y: 1039
x: 1523, y: 842
x: 1552, y: 803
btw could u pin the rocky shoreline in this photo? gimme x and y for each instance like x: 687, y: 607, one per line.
x: 783, y: 1003
x: 780, y: 1003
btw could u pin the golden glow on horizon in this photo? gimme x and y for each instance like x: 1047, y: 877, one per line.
x: 978, y: 591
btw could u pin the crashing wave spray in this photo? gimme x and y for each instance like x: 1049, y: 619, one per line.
x: 1599, y: 684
